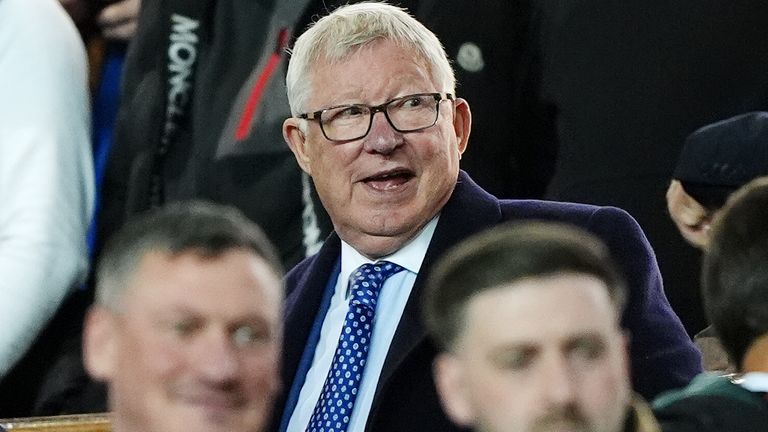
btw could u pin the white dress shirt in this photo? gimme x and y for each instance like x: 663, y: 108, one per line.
x: 755, y: 382
x: 391, y: 303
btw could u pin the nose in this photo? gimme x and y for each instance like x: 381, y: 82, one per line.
x: 558, y: 381
x: 216, y: 358
x: 382, y: 138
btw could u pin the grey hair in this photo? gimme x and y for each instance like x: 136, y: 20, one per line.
x: 206, y: 229
x: 346, y: 30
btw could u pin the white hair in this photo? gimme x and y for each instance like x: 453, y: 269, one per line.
x: 346, y: 30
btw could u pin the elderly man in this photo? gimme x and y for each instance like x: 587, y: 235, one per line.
x: 528, y: 318
x: 735, y: 280
x: 377, y: 125
x: 186, y: 326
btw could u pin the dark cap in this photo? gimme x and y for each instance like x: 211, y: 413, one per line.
x: 721, y: 157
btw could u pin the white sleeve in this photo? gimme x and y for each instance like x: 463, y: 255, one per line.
x: 46, y: 173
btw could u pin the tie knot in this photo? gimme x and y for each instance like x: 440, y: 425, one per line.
x: 366, y: 281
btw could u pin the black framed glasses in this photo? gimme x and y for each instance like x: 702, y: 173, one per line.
x: 409, y: 113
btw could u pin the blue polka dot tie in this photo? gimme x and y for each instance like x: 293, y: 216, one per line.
x: 334, y: 407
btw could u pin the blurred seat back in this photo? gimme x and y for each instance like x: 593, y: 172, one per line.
x: 64, y: 423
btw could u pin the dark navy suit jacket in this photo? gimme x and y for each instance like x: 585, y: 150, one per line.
x: 662, y: 355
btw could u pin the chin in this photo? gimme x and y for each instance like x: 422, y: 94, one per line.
x: 397, y: 220
x: 217, y: 418
x: 213, y: 422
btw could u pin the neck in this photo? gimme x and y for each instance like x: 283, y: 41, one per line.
x: 756, y: 358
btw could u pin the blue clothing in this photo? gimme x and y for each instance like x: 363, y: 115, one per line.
x: 105, y: 104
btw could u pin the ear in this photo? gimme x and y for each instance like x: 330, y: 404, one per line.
x: 99, y: 343
x: 462, y: 123
x: 449, y: 380
x: 297, y: 141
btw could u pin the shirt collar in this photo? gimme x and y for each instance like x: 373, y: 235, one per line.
x: 409, y: 256
x: 755, y: 381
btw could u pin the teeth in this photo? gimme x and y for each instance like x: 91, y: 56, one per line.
x: 384, y: 176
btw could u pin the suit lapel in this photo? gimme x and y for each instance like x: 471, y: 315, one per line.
x: 301, y: 309
x: 469, y: 210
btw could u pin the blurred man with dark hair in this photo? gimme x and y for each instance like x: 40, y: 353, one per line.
x: 528, y: 316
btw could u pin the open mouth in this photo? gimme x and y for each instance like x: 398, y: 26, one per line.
x: 389, y: 180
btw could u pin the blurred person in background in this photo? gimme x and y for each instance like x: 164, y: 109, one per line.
x: 735, y: 292
x: 107, y: 27
x: 46, y: 190
x: 715, y: 161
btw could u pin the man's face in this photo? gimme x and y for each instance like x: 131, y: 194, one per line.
x: 541, y: 354
x: 380, y: 190
x: 194, y: 346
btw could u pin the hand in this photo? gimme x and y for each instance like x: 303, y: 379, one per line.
x: 692, y: 219
x: 118, y: 21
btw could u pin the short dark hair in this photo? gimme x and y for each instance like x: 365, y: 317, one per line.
x: 735, y: 270
x: 202, y: 227
x: 504, y: 255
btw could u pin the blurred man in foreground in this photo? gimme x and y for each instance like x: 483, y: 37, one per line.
x: 528, y: 317
x: 186, y: 326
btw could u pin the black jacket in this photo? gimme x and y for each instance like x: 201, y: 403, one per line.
x: 229, y: 147
x: 712, y: 404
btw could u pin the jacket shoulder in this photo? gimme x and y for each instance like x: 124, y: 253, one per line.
x: 706, y: 385
x: 567, y: 212
x: 711, y: 403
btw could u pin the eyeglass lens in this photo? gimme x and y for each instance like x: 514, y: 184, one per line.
x: 405, y: 114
